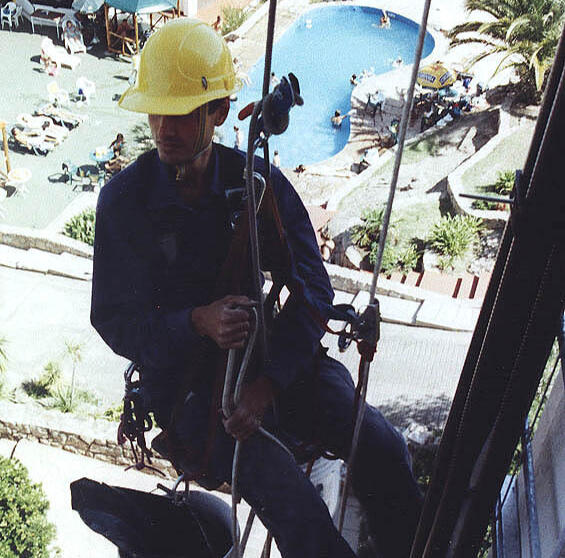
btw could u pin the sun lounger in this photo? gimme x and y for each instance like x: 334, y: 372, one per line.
x: 58, y: 54
x: 60, y: 115
x: 35, y: 142
x: 72, y: 36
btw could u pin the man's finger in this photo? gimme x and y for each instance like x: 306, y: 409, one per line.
x: 232, y: 315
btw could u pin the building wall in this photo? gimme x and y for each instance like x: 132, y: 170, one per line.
x: 549, y: 472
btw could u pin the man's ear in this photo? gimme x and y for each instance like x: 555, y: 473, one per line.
x: 221, y: 112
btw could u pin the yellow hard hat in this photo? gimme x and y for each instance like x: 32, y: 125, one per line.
x: 183, y: 65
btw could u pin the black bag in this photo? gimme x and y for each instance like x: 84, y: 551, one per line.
x: 146, y: 525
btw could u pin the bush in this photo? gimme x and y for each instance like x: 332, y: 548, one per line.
x: 24, y: 529
x: 232, y: 17
x: 503, y: 186
x: 43, y: 386
x: 504, y: 183
x: 367, y: 234
x: 396, y: 257
x: 81, y: 227
x: 452, y: 237
x: 114, y: 413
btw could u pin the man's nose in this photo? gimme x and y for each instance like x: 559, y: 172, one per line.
x: 165, y: 125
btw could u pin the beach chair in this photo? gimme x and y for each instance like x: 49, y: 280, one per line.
x: 60, y: 115
x: 42, y: 125
x: 58, y: 54
x: 72, y: 37
x: 35, y: 142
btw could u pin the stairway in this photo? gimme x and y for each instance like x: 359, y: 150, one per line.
x: 460, y: 286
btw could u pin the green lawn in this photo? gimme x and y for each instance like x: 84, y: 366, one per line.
x: 509, y: 154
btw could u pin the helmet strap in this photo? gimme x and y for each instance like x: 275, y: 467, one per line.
x: 183, y: 169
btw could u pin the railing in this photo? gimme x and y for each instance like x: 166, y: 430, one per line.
x: 501, y: 547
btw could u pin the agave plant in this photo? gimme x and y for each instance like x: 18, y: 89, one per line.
x: 524, y: 32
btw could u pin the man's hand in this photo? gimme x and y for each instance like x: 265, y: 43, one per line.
x: 247, y: 417
x: 226, y: 321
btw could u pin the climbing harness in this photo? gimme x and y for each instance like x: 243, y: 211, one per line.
x: 135, y: 420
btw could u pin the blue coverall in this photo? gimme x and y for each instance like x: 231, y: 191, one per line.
x: 155, y: 259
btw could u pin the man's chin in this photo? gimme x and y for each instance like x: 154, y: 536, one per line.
x: 172, y: 158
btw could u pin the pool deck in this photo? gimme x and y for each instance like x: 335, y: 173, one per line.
x: 324, y: 181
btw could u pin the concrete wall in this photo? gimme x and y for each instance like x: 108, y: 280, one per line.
x: 549, y: 469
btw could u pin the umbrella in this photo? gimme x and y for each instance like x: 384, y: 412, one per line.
x: 87, y: 6
x: 435, y: 76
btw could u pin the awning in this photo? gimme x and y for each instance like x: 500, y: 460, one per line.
x: 142, y: 6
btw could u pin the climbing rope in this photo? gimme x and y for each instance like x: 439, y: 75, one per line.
x: 365, y: 361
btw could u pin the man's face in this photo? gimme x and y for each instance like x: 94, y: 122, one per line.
x: 180, y: 138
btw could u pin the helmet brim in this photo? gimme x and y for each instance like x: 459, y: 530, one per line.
x: 138, y: 101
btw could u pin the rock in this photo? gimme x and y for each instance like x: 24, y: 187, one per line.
x: 429, y: 260
x: 354, y: 256
x: 418, y: 434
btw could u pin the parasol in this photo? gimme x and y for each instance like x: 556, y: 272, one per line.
x: 435, y: 76
x: 87, y: 6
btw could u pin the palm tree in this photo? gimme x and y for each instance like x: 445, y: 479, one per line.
x: 524, y: 32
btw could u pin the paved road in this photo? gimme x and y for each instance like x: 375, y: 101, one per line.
x: 38, y: 315
x: 413, y: 376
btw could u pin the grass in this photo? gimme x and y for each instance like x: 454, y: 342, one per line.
x: 415, y: 153
x: 510, y: 154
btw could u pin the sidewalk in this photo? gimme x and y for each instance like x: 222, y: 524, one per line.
x: 55, y: 469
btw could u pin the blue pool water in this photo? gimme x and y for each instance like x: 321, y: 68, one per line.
x: 323, y: 48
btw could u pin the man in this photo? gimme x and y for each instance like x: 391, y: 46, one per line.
x: 239, y: 137
x: 162, y: 235
x: 338, y: 118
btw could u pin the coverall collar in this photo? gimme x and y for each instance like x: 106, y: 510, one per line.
x: 164, y: 192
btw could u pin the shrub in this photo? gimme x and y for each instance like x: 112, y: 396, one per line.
x: 504, y: 183
x: 452, y: 237
x: 81, y: 227
x: 367, y: 234
x: 114, y: 413
x: 484, y: 204
x: 396, y: 257
x: 232, y: 18
x: 43, y: 386
x: 24, y: 529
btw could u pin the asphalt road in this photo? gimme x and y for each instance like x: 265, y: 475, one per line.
x: 413, y: 376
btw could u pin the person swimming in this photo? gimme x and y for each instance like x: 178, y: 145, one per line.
x: 385, y: 20
x: 338, y: 118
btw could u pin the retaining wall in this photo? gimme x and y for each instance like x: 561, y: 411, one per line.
x: 90, y: 438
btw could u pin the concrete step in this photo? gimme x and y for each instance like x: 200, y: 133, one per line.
x: 64, y: 264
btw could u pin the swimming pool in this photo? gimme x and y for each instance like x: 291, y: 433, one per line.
x: 323, y: 48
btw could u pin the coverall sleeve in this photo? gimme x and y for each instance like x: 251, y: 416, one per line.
x: 296, y: 331
x: 123, y: 310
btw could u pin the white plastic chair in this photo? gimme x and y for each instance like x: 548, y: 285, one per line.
x: 9, y: 15
x: 86, y: 87
x: 58, y: 96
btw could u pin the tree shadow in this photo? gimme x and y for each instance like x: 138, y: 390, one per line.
x: 430, y: 412
x: 439, y: 187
